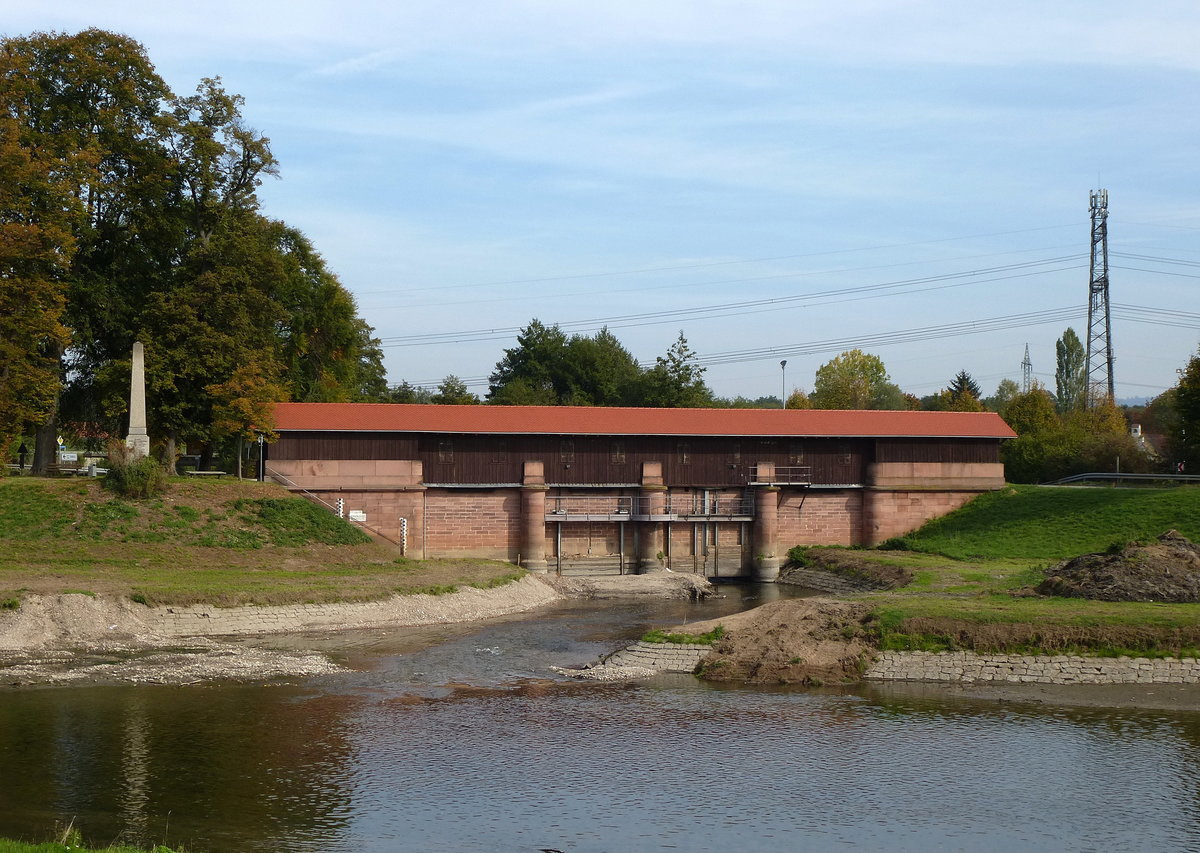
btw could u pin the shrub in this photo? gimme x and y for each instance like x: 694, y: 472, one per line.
x: 798, y: 555
x: 707, y: 639
x: 133, y: 478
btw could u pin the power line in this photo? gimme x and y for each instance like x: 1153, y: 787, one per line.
x: 925, y: 333
x: 710, y: 264
x: 642, y: 287
x: 727, y: 309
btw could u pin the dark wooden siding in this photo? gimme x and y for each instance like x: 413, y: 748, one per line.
x: 937, y: 450
x: 585, y: 460
x: 343, y: 445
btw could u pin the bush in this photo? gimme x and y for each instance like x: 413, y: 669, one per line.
x: 798, y: 556
x: 133, y: 478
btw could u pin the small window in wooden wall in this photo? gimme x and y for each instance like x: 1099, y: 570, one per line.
x: 685, y: 453
x: 795, y: 454
x: 735, y: 453
x: 616, y: 453
x: 843, y: 454
x: 500, y: 451
x: 446, y: 451
x: 566, y: 452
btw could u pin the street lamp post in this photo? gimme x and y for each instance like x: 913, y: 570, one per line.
x: 783, y: 385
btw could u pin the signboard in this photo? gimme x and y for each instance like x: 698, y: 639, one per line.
x: 357, y: 515
x: 68, y: 456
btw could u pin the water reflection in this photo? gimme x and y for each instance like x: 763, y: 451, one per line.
x: 471, y: 744
x: 200, y: 766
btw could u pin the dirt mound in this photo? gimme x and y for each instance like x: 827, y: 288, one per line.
x: 794, y: 641
x: 849, y: 571
x: 1167, y: 570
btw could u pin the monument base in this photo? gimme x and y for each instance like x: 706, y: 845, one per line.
x: 139, y: 444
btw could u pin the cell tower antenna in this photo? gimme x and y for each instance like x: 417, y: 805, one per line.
x: 1026, y: 372
x: 1099, y: 338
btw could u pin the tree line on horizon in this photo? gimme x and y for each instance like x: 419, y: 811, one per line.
x: 1058, y: 433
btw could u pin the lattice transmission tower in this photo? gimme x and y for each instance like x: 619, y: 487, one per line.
x: 1026, y: 372
x: 1099, y: 337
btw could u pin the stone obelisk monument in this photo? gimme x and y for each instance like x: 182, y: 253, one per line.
x: 138, y: 439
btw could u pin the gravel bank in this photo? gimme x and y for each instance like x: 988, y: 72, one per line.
x: 93, y: 639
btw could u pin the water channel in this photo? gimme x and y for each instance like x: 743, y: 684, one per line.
x: 461, y: 739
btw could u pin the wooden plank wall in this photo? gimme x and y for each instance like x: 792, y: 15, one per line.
x: 587, y: 460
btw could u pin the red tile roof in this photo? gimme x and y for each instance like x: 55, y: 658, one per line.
x: 583, y: 420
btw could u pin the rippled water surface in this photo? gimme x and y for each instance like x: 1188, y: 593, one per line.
x: 470, y: 744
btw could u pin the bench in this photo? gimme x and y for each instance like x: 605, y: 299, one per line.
x: 205, y: 473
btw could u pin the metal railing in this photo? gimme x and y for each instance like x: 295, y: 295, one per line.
x: 784, y: 474
x: 1100, y: 475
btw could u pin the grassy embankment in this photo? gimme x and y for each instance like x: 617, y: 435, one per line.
x: 970, y: 568
x: 224, y: 543
x: 9, y: 846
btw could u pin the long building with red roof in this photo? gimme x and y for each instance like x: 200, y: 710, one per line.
x: 717, y: 491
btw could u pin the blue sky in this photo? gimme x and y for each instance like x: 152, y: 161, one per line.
x: 715, y: 167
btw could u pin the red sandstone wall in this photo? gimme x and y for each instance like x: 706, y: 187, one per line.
x: 896, y: 513
x: 822, y: 517
x: 384, y: 510
x: 486, y: 524
x: 469, y: 523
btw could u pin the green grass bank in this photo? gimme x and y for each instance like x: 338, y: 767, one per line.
x: 72, y: 843
x: 221, y: 542
x: 972, y: 573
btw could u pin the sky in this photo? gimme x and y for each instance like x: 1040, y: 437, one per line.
x: 776, y: 179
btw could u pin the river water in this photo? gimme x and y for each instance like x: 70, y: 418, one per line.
x: 460, y: 739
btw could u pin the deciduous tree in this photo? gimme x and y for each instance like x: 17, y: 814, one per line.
x: 1006, y: 391
x: 453, y: 391
x: 244, y: 406
x: 855, y: 380
x: 1070, y: 373
x: 1187, y: 411
x: 36, y: 245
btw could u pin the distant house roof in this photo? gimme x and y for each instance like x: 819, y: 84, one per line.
x: 584, y: 420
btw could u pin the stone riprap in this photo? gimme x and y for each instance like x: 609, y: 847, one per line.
x: 968, y: 668
x: 661, y: 657
x: 825, y: 581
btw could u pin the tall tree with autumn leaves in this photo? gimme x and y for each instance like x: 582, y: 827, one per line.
x: 129, y: 213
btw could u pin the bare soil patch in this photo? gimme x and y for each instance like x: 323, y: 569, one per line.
x: 794, y: 641
x: 1166, y: 570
